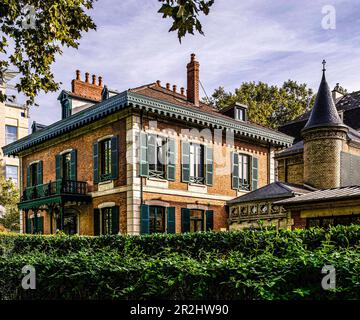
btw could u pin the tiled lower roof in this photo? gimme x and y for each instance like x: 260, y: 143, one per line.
x: 334, y: 194
x: 273, y: 190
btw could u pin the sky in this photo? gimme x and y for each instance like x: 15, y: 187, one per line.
x: 257, y: 40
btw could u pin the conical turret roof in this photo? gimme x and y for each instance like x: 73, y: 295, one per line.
x: 324, y: 112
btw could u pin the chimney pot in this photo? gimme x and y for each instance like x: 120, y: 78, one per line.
x: 158, y: 83
x: 168, y: 86
x: 193, y: 77
x: 94, y: 79
x: 87, y: 77
x: 174, y: 88
x: 182, y: 91
x: 77, y: 74
x: 100, y: 82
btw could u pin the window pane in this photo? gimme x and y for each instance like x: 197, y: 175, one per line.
x: 196, y: 220
x: 12, y: 173
x: 157, y: 219
x: 33, y: 174
x: 66, y: 166
x: 10, y: 134
x: 105, y: 149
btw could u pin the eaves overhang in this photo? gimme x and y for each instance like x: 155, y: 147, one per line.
x: 138, y: 101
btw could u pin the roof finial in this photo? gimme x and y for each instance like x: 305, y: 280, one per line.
x: 324, y: 65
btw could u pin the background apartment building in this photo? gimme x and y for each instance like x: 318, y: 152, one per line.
x: 14, y: 125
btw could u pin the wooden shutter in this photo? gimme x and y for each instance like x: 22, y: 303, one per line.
x: 40, y: 172
x: 151, y: 149
x: 96, y: 222
x: 254, y: 173
x: 28, y: 177
x: 114, y: 157
x: 145, y: 219
x: 185, y: 220
x: 209, y: 165
x: 209, y: 220
x: 170, y: 220
x: 185, y: 161
x: 115, y: 219
x: 170, y: 169
x: 235, y: 170
x: 40, y: 226
x: 58, y: 166
x: 96, y: 161
x: 144, y: 164
x: 73, y: 165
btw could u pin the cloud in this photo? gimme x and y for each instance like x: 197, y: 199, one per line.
x: 244, y: 41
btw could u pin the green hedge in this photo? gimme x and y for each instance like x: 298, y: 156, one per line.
x: 226, y: 265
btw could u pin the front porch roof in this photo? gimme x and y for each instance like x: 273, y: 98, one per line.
x: 52, y: 200
x: 138, y: 101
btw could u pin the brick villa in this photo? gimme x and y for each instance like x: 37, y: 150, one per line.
x: 149, y: 159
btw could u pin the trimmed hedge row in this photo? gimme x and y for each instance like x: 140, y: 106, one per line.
x: 247, y: 242
x: 232, y: 265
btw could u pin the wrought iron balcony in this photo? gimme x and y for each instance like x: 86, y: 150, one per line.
x: 60, y: 190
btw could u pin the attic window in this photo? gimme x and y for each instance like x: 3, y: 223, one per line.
x: 240, y: 113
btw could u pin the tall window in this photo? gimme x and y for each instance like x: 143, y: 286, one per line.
x: 106, y: 220
x: 66, y: 166
x: 105, y: 159
x: 34, y: 174
x: 197, y: 163
x: 10, y: 134
x: 241, y: 171
x: 157, y: 219
x: 196, y: 220
x: 157, y: 156
x: 12, y: 173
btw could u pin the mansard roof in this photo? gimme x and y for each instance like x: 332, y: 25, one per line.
x: 324, y: 112
x: 275, y: 190
x: 156, y: 100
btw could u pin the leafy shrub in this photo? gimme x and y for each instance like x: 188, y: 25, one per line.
x: 225, y: 265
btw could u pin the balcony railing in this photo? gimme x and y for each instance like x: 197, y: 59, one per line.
x: 58, y: 187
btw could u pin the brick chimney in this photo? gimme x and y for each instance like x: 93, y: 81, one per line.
x: 193, y: 70
x: 86, y: 89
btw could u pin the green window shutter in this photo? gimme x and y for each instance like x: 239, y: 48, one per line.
x: 185, y: 161
x: 115, y: 220
x: 151, y: 149
x: 96, y: 161
x: 40, y: 228
x: 145, y: 219
x: 254, y: 173
x: 96, y: 222
x: 170, y: 169
x: 235, y: 170
x: 185, y: 220
x: 209, y: 166
x: 28, y: 177
x: 73, y: 165
x: 40, y: 172
x: 58, y: 166
x: 114, y: 157
x: 209, y: 220
x: 170, y: 220
x: 144, y: 164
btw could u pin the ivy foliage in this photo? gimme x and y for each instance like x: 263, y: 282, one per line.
x: 249, y: 265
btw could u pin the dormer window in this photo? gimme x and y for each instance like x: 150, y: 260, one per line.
x: 240, y: 113
x: 236, y: 111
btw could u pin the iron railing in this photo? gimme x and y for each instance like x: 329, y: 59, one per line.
x: 52, y: 188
